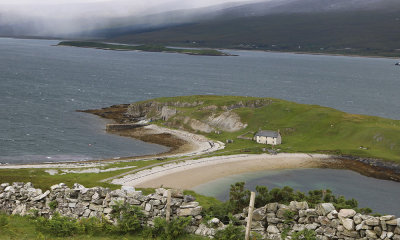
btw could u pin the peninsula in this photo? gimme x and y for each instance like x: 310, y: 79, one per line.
x: 144, y: 48
x: 206, y: 130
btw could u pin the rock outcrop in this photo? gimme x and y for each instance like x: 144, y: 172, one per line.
x: 212, y: 117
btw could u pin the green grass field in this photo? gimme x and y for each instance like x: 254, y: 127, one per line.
x: 304, y: 128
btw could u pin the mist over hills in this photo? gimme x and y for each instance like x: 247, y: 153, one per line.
x: 367, y: 27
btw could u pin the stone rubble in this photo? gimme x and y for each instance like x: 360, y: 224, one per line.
x: 268, y: 221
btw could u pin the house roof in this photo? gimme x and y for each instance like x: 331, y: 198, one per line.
x: 267, y: 133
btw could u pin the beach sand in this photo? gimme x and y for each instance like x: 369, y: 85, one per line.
x: 188, y: 174
x: 182, y: 144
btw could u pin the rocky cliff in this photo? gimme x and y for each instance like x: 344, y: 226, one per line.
x: 205, y: 118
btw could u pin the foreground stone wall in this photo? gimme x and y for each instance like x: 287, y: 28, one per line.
x: 269, y: 221
x: 81, y: 202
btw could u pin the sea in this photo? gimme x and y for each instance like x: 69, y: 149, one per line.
x: 42, y: 85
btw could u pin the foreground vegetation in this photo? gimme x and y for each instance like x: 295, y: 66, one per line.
x: 130, y: 219
x: 145, y: 48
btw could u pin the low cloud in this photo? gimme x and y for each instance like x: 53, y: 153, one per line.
x: 63, y: 18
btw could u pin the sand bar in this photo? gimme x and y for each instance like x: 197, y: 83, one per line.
x: 191, y: 173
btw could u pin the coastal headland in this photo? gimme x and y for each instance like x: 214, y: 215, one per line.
x: 211, y: 137
x: 144, y: 48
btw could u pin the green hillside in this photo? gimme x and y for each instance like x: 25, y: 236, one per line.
x: 304, y: 128
x: 353, y: 32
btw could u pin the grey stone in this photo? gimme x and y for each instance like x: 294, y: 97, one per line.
x: 357, y: 218
x: 40, y: 197
x: 395, y: 222
x: 346, y: 213
x: 324, y: 208
x: 371, y: 234
x: 372, y: 221
x: 272, y: 229
x: 189, y: 211
x: 272, y: 207
x: 312, y: 226
x: 259, y: 214
x: 378, y: 230
x: 348, y: 223
x: 387, y: 217
x: 333, y: 214
x: 148, y: 207
x: 177, y: 193
x: 190, y: 205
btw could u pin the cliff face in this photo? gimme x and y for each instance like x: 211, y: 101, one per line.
x: 197, y: 115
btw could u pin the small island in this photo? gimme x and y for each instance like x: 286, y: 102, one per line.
x: 144, y: 48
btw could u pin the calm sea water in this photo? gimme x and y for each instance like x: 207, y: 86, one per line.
x: 42, y: 85
x: 380, y: 195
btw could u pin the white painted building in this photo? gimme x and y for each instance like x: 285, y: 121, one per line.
x: 268, y: 137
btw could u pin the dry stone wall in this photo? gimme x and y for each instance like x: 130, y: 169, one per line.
x: 81, y: 202
x: 269, y: 221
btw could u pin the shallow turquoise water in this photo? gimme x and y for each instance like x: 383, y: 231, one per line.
x: 380, y: 195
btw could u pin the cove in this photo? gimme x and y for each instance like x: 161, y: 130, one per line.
x: 381, y: 196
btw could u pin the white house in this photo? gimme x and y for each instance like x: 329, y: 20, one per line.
x: 268, y: 137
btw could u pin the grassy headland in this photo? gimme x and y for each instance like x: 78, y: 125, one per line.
x: 145, y: 48
x: 304, y: 128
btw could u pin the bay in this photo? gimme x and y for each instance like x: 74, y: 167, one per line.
x: 379, y: 195
x: 41, y: 86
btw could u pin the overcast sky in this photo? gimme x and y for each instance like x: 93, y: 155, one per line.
x: 52, y: 17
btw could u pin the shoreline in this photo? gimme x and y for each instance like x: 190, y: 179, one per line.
x: 181, y: 144
x: 219, y: 48
x: 191, y: 173
x: 186, y: 144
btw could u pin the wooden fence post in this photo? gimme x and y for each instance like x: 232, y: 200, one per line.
x: 250, y: 215
x: 168, y: 210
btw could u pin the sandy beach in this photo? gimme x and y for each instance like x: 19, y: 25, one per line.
x: 188, y: 174
x: 188, y: 144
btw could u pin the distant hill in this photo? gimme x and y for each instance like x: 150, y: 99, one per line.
x: 366, y: 27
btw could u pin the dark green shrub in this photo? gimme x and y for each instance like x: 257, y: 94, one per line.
x: 305, y: 234
x: 129, y: 218
x: 59, y: 226
x: 239, y: 197
x: 169, y: 230
x: 231, y: 232
x: 53, y: 204
x: 94, y: 226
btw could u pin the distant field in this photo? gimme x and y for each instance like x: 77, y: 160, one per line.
x: 304, y: 128
x: 145, y: 48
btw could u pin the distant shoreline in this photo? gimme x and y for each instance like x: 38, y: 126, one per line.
x: 143, y: 48
x: 234, y: 49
